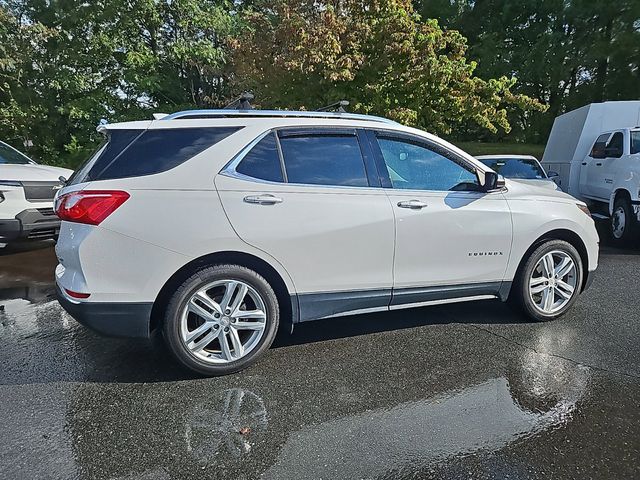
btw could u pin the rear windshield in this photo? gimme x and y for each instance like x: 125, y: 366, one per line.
x: 11, y: 156
x: 525, y: 168
x: 135, y: 153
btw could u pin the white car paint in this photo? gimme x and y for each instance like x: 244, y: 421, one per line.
x: 319, y: 239
x: 570, y: 143
x: 13, y: 201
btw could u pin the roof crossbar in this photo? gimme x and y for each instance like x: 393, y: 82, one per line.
x: 243, y: 102
x: 337, y: 106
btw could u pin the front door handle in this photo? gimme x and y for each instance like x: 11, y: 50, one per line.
x: 263, y: 199
x: 599, y: 164
x: 413, y: 204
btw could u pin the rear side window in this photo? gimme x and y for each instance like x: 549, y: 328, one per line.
x: 263, y: 161
x: 130, y: 153
x: 324, y: 159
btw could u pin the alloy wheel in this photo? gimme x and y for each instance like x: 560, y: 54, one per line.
x: 223, y: 321
x: 553, y: 282
x: 618, y: 222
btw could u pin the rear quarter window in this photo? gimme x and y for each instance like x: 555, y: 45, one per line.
x: 134, y: 153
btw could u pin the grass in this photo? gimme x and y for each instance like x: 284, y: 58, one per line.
x: 478, y: 148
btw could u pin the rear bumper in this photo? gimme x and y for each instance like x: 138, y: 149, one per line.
x: 130, y: 320
x: 30, y: 224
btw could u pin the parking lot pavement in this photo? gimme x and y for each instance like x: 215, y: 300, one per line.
x: 460, y: 391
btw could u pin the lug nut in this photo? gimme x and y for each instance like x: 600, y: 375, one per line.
x: 216, y: 327
x: 226, y: 329
x: 216, y: 315
x: 227, y: 311
x: 233, y: 320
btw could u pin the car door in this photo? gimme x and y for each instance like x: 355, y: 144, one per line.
x: 592, y: 171
x: 308, y: 198
x: 452, y: 240
x: 610, y: 165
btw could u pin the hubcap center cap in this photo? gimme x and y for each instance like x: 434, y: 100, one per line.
x: 224, y: 321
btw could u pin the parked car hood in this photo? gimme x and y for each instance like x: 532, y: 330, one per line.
x: 535, y: 188
x: 32, y: 173
x: 541, y: 182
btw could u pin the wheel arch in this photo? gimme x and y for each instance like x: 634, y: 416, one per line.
x: 287, y: 300
x: 618, y: 193
x: 568, y: 236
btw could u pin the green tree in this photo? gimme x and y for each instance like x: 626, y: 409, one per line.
x: 565, y: 53
x: 77, y: 62
x: 377, y: 53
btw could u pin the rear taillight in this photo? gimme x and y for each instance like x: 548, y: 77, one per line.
x: 73, y: 294
x: 89, y: 206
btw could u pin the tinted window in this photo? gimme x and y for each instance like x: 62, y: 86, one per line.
x: 414, y: 166
x: 635, y: 142
x: 515, y: 167
x: 9, y: 155
x: 263, y: 161
x: 130, y: 154
x: 598, y: 147
x: 117, y: 141
x: 615, y: 147
x: 330, y: 159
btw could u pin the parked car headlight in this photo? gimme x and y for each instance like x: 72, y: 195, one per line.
x: 584, y: 208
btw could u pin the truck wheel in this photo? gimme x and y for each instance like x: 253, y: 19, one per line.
x: 624, y: 224
x: 221, y: 320
x: 549, y: 282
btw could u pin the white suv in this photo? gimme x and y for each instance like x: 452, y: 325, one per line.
x: 26, y: 197
x: 214, y: 226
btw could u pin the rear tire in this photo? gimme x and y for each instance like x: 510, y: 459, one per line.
x: 624, y: 223
x: 549, y: 282
x: 221, y: 320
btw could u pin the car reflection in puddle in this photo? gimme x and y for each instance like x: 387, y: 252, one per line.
x: 415, y: 435
x: 185, y: 429
x: 227, y: 427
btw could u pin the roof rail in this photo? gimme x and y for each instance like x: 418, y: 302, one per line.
x: 224, y: 113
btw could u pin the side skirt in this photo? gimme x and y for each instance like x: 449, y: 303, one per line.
x: 316, y: 306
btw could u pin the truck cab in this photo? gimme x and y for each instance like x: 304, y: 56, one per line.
x: 610, y: 174
x: 596, y: 151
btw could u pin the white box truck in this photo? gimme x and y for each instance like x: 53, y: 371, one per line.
x: 595, y: 150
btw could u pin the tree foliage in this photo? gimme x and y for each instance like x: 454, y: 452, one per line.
x: 377, y: 53
x: 65, y: 64
x: 565, y: 53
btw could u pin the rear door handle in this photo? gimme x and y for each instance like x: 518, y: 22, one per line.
x: 263, y: 199
x: 413, y: 204
x: 599, y: 164
x: 584, y: 163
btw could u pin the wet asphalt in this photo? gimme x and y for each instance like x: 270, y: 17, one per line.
x: 460, y: 391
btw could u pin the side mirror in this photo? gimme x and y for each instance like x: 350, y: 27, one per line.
x: 492, y: 181
x: 552, y: 174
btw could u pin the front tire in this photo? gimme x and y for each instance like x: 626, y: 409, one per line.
x: 624, y: 224
x: 549, y: 282
x: 221, y: 320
